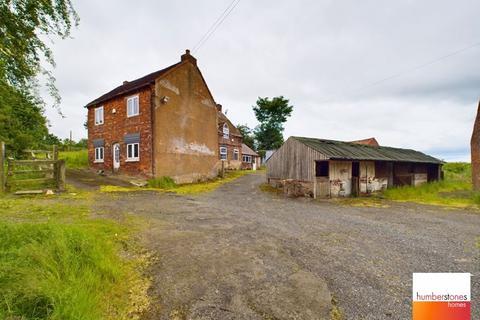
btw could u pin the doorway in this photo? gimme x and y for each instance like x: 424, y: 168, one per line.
x: 116, y: 156
x: 355, y: 178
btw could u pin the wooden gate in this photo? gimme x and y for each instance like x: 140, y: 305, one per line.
x: 33, y: 175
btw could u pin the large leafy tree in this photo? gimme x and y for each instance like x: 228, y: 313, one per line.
x: 272, y: 114
x: 22, y: 123
x: 25, y: 25
x: 247, y: 135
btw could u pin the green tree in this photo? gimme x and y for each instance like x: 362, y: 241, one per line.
x: 25, y: 26
x: 247, y: 135
x: 272, y: 114
x: 22, y: 124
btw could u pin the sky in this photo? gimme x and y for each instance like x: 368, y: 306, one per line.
x: 405, y: 72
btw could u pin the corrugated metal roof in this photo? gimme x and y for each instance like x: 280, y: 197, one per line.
x: 352, y: 151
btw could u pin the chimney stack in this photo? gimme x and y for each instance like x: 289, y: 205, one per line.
x: 125, y: 82
x: 188, y: 57
x: 475, y: 150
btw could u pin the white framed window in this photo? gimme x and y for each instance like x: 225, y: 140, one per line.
x: 247, y: 159
x: 223, y: 153
x: 133, y: 151
x: 99, y: 154
x: 99, y: 115
x: 235, y: 154
x: 133, y: 108
x: 226, y: 131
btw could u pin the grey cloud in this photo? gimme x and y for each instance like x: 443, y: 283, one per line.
x: 316, y: 53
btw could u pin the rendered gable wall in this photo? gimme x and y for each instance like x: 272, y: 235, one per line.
x: 185, y: 127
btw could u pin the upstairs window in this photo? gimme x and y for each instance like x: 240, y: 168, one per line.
x: 223, y: 153
x: 235, y: 154
x: 226, y: 131
x: 133, y: 108
x: 99, y: 115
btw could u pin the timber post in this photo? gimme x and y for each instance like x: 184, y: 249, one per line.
x: 55, y: 152
x: 60, y: 174
x: 2, y: 166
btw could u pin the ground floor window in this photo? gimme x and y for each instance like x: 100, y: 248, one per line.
x: 235, y: 154
x: 99, y: 154
x: 247, y: 159
x: 133, y: 152
x: 223, y: 153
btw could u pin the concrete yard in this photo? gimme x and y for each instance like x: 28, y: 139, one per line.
x: 240, y: 253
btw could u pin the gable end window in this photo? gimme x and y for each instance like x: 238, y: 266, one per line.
x: 226, y: 131
x: 99, y: 154
x: 223, y: 153
x: 99, y: 115
x: 133, y: 108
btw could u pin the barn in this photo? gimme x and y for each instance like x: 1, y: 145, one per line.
x: 329, y: 168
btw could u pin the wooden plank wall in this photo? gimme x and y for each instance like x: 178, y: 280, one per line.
x: 293, y: 160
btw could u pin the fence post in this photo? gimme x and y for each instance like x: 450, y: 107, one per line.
x: 60, y: 174
x: 2, y: 166
x: 55, y: 152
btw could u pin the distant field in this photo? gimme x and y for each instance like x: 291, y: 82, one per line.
x: 454, y: 190
x: 75, y: 159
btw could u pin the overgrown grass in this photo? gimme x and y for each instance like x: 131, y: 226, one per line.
x: 162, y: 183
x: 166, y: 184
x: 454, y: 190
x: 75, y: 159
x: 57, y: 262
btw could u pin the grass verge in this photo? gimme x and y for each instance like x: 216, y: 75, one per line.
x: 165, y: 184
x: 57, y: 262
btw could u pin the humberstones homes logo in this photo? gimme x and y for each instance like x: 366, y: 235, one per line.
x: 443, y: 296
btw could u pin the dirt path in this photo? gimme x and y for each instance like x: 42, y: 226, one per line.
x: 239, y: 253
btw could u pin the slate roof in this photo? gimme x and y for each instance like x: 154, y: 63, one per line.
x: 351, y: 151
x: 247, y: 150
x: 131, y: 86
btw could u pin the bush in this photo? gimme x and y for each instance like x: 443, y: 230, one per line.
x: 162, y: 183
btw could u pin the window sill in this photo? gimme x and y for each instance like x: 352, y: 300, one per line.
x: 98, y: 124
x: 133, y: 115
x: 132, y: 160
x: 98, y: 161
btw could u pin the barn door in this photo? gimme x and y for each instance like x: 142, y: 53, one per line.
x: 322, y: 179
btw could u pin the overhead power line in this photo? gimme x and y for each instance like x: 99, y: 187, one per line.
x: 215, y: 25
x: 413, y: 69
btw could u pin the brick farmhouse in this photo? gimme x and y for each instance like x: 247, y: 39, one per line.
x: 166, y: 123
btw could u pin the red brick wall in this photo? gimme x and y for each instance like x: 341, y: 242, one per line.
x: 116, y: 126
x: 234, y: 142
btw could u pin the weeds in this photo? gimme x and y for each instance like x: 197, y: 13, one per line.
x: 56, y: 262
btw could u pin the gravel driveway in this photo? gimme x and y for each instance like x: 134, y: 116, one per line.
x: 239, y: 253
